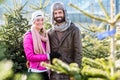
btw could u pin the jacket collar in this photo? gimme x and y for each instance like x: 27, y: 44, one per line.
x: 67, y: 32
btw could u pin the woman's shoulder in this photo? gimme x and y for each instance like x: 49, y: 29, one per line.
x: 28, y: 34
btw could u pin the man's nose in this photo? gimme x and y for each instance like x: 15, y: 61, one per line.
x: 57, y: 15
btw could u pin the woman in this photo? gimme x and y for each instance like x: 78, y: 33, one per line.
x: 36, y: 46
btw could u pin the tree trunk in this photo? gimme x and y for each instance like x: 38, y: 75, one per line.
x: 112, y: 55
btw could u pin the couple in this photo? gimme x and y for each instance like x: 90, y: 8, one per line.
x: 62, y: 41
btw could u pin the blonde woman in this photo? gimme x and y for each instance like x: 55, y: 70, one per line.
x: 36, y: 46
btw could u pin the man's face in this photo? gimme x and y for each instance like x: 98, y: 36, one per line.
x: 59, y: 16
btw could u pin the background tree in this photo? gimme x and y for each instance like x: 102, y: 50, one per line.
x: 111, y: 19
x: 12, y: 35
x: 92, y: 47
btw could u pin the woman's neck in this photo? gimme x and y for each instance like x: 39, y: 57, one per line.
x: 38, y: 29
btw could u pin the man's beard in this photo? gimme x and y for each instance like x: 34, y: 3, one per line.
x: 59, y: 20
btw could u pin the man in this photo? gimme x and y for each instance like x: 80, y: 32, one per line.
x: 64, y: 39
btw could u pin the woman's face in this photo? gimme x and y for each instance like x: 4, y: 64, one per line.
x: 39, y: 23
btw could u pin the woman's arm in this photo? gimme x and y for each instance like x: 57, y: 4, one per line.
x: 29, y: 51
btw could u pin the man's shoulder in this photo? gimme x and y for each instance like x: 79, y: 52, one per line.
x: 73, y: 26
x: 50, y: 31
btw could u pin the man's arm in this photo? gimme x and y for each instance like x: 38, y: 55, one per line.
x: 77, y: 46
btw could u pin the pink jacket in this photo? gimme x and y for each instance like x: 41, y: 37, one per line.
x: 34, y: 59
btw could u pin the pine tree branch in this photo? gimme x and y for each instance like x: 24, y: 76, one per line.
x: 87, y: 14
x: 103, y: 9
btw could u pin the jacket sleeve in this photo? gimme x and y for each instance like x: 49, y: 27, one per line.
x: 77, y: 46
x: 29, y: 52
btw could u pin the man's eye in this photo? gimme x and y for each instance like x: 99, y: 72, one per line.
x: 55, y: 13
x: 60, y: 12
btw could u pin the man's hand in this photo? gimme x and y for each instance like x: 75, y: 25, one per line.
x: 54, y: 55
